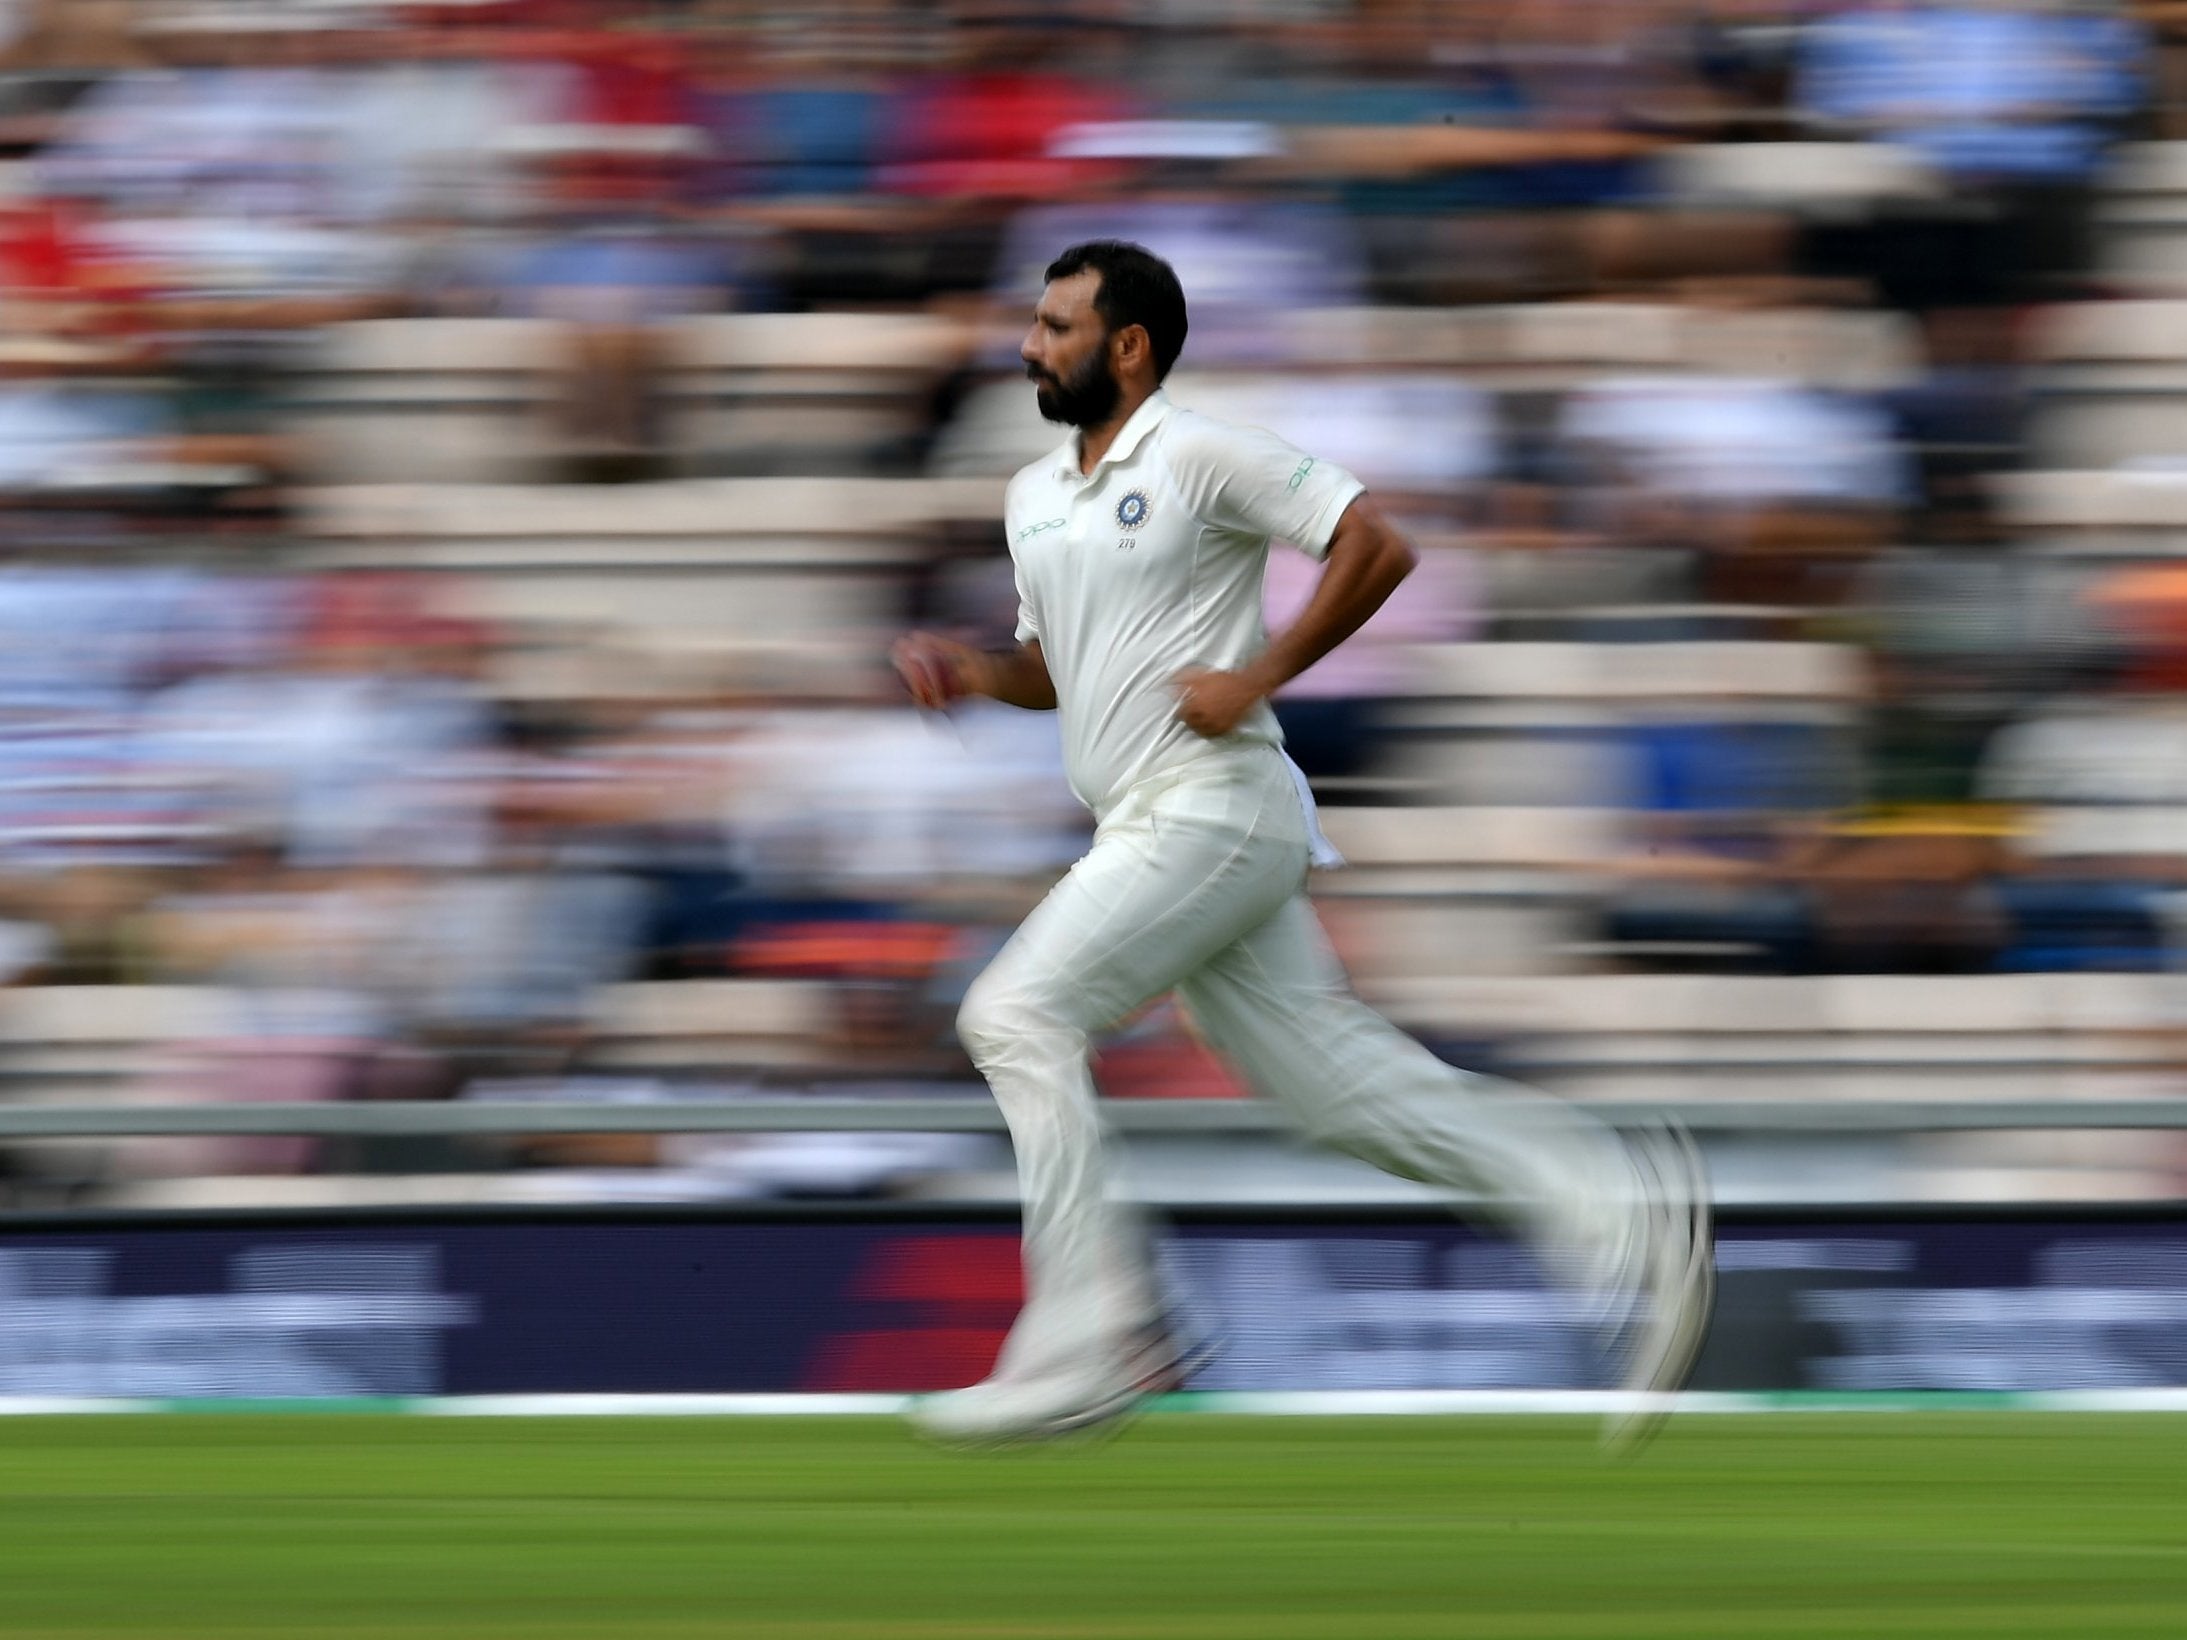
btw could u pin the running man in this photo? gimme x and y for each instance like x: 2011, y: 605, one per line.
x: 1139, y: 547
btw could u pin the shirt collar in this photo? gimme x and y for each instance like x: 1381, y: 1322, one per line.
x: 1129, y: 437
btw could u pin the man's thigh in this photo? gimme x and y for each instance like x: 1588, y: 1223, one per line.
x: 1151, y: 902
x: 1276, y: 1002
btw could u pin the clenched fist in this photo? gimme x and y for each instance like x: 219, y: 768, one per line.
x: 1211, y: 702
x: 935, y: 669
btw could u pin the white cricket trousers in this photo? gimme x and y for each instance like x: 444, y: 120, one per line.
x: 1196, y: 882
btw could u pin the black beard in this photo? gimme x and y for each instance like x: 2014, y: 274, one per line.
x: 1085, y: 398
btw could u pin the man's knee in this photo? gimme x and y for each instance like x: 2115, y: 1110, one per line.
x: 999, y: 1018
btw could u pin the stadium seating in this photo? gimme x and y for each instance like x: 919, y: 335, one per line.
x: 1637, y: 672
x: 721, y: 1024
x: 1932, y: 1036
x: 68, y: 1042
x: 465, y: 400
x: 2114, y: 387
x: 1845, y: 1037
x: 1597, y: 724
x: 2142, y: 221
x: 805, y: 393
x: 94, y: 1044
x: 1516, y: 348
x: 424, y: 401
x: 1814, y: 178
x: 675, y: 567
x: 2108, y: 513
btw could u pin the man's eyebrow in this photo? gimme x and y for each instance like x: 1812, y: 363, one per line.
x: 1048, y: 317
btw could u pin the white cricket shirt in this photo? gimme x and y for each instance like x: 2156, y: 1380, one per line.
x: 1151, y: 563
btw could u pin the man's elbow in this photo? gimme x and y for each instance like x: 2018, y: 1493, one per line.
x: 1368, y: 538
x: 1395, y: 556
x: 1404, y: 556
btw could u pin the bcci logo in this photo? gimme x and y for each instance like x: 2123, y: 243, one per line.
x: 1131, y: 512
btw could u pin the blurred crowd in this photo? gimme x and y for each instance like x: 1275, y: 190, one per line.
x: 1717, y: 324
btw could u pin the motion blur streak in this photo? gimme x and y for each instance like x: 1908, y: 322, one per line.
x: 463, y: 465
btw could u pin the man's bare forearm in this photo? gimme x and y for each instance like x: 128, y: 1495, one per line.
x: 1368, y: 557
x: 1016, y: 677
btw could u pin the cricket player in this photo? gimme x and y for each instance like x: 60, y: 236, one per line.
x: 1139, y: 548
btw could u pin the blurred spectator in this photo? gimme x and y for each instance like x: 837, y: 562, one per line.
x: 1768, y: 482
x: 431, y: 133
x: 56, y: 431
x: 346, y: 747
x: 2012, y: 105
x: 513, y: 950
x: 795, y: 135
x: 610, y: 286
x: 985, y: 128
x: 1966, y: 417
x: 878, y: 799
x: 1742, y: 55
x: 2166, y: 21
x: 1250, y: 264
x: 302, y: 973
x: 1729, y: 445
x: 2098, y: 782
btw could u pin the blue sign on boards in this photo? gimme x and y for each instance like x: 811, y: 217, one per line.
x: 413, y: 1307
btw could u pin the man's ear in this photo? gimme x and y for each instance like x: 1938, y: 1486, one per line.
x: 1131, y: 343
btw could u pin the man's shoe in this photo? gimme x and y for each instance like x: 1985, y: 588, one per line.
x: 1676, y: 1289
x: 1012, y: 1412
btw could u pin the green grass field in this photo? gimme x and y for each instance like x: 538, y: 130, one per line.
x: 1202, y: 1528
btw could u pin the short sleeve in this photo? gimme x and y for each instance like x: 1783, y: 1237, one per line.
x: 1248, y: 479
x: 1028, y: 622
x: 1028, y: 627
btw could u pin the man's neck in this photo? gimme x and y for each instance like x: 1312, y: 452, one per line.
x: 1094, y: 442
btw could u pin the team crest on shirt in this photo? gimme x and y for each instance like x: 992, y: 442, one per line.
x: 1131, y: 512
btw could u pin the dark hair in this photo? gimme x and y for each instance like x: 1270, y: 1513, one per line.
x: 1137, y: 288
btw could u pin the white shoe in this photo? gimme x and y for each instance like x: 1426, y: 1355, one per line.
x: 1009, y: 1412
x: 1675, y: 1293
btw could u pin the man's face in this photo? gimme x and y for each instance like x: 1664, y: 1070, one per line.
x: 1066, y: 354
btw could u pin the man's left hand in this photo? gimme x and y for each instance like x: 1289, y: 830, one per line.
x: 1211, y: 702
